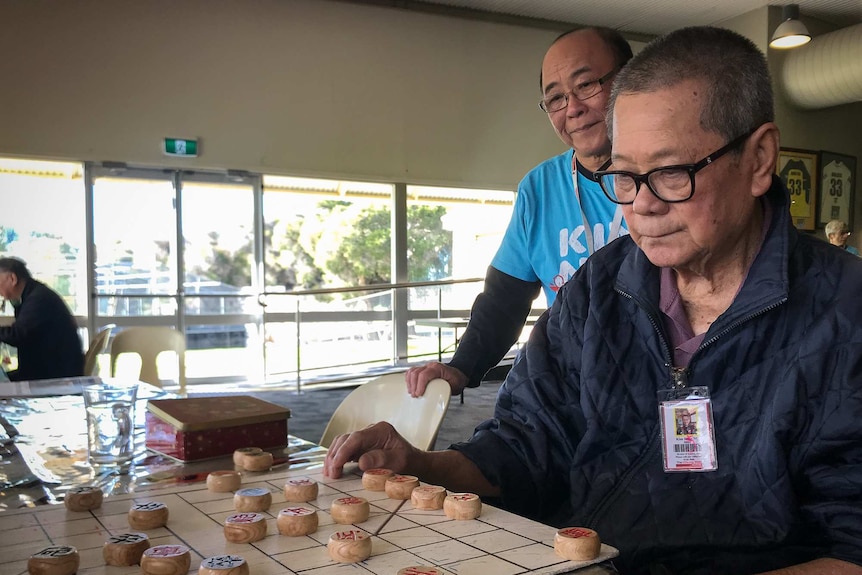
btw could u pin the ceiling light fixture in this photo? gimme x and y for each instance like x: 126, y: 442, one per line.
x: 791, y: 33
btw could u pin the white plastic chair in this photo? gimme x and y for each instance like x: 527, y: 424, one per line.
x: 148, y: 342
x: 417, y: 419
x: 98, y: 344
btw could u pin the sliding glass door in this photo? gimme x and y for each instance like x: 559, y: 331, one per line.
x: 178, y: 249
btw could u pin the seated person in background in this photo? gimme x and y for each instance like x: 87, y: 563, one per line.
x: 44, y: 330
x: 837, y: 234
x: 715, y: 303
x: 561, y: 215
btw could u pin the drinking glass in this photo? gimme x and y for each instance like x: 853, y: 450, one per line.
x: 110, y: 410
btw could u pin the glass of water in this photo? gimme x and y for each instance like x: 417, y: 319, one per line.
x: 110, y: 423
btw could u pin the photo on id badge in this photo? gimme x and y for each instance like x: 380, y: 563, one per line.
x: 688, y: 436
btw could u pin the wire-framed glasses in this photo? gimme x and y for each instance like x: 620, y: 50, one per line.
x: 583, y: 91
x: 671, y: 184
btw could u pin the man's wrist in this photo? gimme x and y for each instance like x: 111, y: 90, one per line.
x: 418, y: 464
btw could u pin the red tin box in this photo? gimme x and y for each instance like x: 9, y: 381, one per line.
x: 203, y: 427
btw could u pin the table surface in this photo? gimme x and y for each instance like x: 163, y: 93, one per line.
x: 50, y: 440
x: 43, y: 447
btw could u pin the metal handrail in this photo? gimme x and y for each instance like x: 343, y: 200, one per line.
x: 374, y: 287
x: 298, y: 314
x: 353, y: 289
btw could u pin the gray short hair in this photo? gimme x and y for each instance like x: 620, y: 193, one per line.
x: 15, y: 265
x: 734, y: 70
x: 835, y: 227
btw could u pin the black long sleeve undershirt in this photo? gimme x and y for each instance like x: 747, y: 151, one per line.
x: 496, y: 321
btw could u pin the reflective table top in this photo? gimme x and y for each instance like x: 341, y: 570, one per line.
x: 43, y: 451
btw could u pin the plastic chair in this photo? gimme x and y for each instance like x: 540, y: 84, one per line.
x: 148, y: 343
x: 417, y: 419
x: 98, y: 344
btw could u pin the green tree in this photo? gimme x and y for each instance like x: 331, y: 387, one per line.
x: 232, y: 268
x: 429, y: 246
x: 340, y: 244
x: 363, y: 254
x: 288, y: 262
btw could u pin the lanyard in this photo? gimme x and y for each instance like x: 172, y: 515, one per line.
x: 616, y: 224
x: 588, y: 231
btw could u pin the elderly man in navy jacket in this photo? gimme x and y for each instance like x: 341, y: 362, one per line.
x: 714, y: 306
x: 44, y: 330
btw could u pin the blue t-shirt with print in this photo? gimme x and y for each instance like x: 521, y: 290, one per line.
x: 546, y: 240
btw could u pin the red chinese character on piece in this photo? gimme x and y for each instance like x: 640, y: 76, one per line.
x: 402, y: 478
x: 421, y: 571
x: 166, y: 551
x: 463, y: 497
x: 242, y: 518
x: 575, y: 532
x: 349, y: 536
x: 297, y: 511
x: 349, y: 500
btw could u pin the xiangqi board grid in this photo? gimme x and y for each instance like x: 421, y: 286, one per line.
x: 498, y: 542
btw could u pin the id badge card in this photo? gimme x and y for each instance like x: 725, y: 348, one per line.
x: 688, y: 435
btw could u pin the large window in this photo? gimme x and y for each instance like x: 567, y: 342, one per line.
x: 326, y: 234
x: 268, y: 276
x: 452, y: 233
x: 42, y: 222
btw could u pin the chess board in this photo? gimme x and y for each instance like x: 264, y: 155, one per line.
x: 497, y: 543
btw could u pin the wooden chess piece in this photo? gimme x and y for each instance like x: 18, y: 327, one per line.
x: 350, y: 510
x: 350, y: 546
x: 223, y: 565
x: 224, y: 481
x: 252, y: 500
x: 300, y: 490
x: 257, y: 461
x: 166, y: 560
x: 577, y: 544
x: 428, y: 497
x: 83, y: 498
x: 54, y: 560
x: 401, y: 486
x: 375, y: 479
x: 296, y: 521
x: 125, y: 549
x: 245, y: 527
x: 419, y: 570
x: 242, y: 452
x: 148, y: 515
x: 462, y: 506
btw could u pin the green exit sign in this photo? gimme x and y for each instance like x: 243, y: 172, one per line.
x: 180, y: 147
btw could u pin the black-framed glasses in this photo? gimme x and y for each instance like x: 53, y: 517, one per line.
x: 671, y: 184
x: 583, y: 91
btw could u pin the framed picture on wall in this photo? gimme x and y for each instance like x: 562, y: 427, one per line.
x: 837, y: 187
x: 798, y: 170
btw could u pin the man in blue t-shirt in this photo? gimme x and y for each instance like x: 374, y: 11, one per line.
x: 561, y: 215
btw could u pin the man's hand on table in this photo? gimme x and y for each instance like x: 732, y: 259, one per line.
x: 376, y: 446
x: 380, y: 446
x: 418, y: 377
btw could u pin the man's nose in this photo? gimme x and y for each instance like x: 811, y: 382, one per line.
x: 575, y: 107
x: 646, y: 202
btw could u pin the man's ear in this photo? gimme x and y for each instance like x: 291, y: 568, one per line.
x: 764, y: 145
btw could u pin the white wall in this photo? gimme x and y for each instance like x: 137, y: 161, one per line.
x: 300, y: 87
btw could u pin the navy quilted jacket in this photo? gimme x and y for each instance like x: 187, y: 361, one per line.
x: 575, y: 439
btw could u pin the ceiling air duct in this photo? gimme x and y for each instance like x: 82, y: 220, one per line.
x: 827, y: 71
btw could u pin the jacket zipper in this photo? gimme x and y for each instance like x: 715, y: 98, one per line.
x: 679, y: 380
x: 654, y: 441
